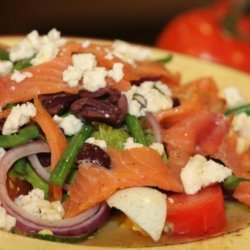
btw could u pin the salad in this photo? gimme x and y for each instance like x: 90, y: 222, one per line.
x: 89, y: 131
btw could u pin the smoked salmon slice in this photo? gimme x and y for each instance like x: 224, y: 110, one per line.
x: 46, y: 79
x: 129, y: 168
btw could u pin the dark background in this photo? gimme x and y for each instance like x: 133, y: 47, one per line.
x: 132, y: 20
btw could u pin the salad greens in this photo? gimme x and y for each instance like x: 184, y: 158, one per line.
x: 4, y: 55
x: 114, y: 138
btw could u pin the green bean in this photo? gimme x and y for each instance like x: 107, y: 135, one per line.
x: 165, y: 59
x: 135, y: 129
x: 24, y: 135
x: 24, y: 171
x: 231, y: 182
x: 23, y: 64
x: 62, y: 169
x: 4, y: 55
x: 241, y: 109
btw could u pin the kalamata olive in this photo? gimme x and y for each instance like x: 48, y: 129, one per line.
x: 56, y: 103
x: 2, y: 121
x: 91, y: 109
x: 93, y: 154
x: 176, y: 102
x: 113, y: 95
x: 44, y: 159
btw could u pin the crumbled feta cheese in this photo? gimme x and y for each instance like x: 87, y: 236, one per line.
x: 233, y: 97
x: 130, y: 143
x: 18, y: 76
x: 2, y: 152
x: 35, y: 204
x: 84, y: 62
x: 199, y: 173
x: 44, y: 47
x: 149, y: 96
x: 94, y: 79
x: 85, y: 44
x: 116, y: 72
x: 241, y: 126
x: 7, y: 222
x: 70, y: 124
x: 101, y: 143
x: 109, y: 55
x: 5, y: 67
x: 46, y: 53
x: 129, y: 52
x: 19, y: 115
x: 158, y: 147
x: 81, y: 63
x: 22, y: 50
x: 72, y: 76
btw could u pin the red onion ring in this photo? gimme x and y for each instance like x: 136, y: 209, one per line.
x: 80, y: 224
x: 155, y: 126
x: 38, y: 167
x: 41, y: 170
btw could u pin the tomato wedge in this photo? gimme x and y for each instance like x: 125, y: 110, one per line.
x: 199, y: 214
x: 242, y: 193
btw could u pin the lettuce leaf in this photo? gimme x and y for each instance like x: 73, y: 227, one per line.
x: 115, y: 138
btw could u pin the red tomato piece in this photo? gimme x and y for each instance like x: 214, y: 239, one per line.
x: 242, y: 193
x: 202, y: 132
x: 199, y: 214
x: 17, y: 187
x: 200, y: 33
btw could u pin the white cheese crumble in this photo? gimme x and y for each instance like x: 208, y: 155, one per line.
x: 72, y: 76
x: 158, y: 147
x: 45, y: 48
x: 101, y: 143
x: 5, y: 67
x: 18, y: 76
x: 7, y: 222
x: 241, y: 126
x: 84, y: 66
x: 130, y: 53
x: 80, y: 63
x: 70, y: 124
x: 2, y: 152
x: 130, y: 143
x: 94, y: 79
x: 19, y: 116
x: 149, y: 96
x: 35, y: 204
x: 85, y: 44
x: 116, y: 72
x: 233, y: 97
x: 199, y: 173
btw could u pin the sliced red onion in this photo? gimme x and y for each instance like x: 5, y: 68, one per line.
x: 38, y: 167
x: 155, y: 126
x: 41, y: 170
x: 80, y: 224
